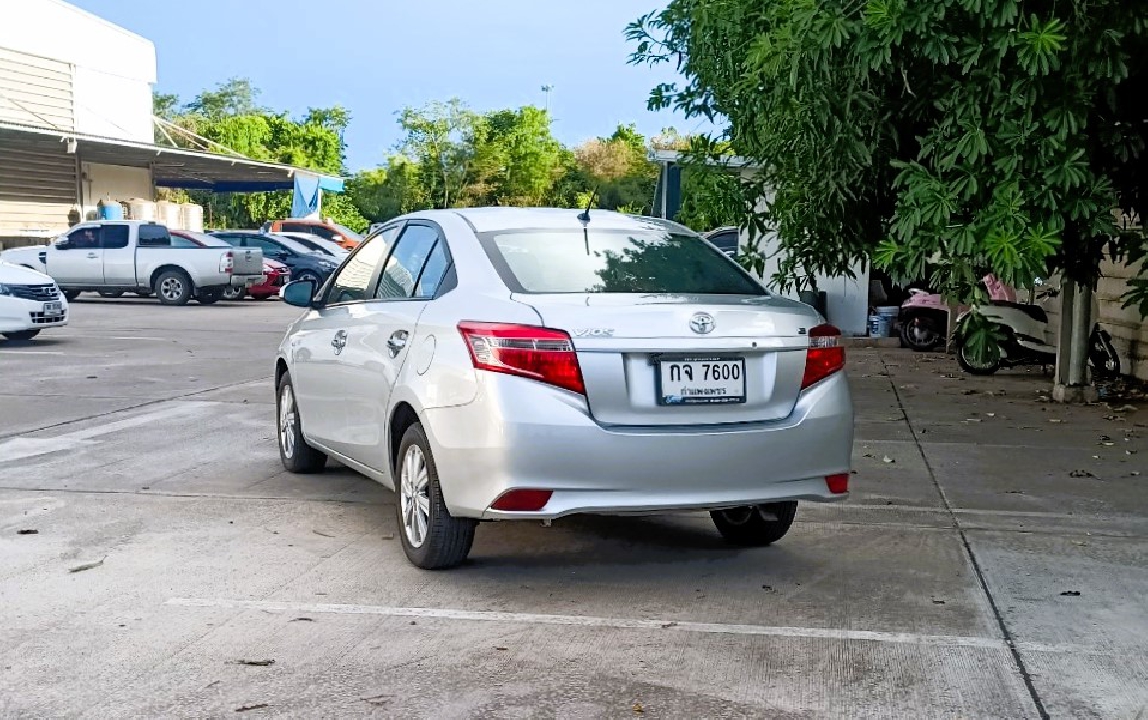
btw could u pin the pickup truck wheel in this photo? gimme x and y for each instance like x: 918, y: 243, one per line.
x: 432, y: 538
x: 233, y: 293
x: 755, y: 525
x: 297, y: 456
x: 71, y: 295
x: 210, y: 296
x: 173, y: 287
x: 22, y: 334
x: 110, y: 294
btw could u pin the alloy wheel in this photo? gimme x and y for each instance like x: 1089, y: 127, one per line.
x: 171, y: 288
x: 414, y: 496
x: 287, y: 421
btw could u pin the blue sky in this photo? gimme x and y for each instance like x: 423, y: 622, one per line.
x: 377, y: 56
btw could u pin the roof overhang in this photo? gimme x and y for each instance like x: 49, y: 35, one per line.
x: 674, y: 157
x: 171, y: 167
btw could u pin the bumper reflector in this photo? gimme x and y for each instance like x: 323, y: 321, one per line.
x: 838, y: 484
x: 522, y: 500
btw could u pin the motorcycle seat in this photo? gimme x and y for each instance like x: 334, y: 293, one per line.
x: 1036, y: 312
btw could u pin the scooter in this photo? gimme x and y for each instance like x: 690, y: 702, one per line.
x: 1029, y: 339
x: 924, y: 320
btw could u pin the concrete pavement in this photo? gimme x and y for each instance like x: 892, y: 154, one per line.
x: 989, y: 563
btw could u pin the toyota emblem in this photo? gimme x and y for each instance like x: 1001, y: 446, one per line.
x: 702, y: 323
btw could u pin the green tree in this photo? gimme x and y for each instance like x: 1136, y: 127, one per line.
x: 237, y: 96
x: 388, y: 191
x: 440, y: 138
x: 998, y: 134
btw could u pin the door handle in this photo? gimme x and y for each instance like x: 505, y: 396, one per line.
x: 397, y: 342
x: 340, y: 341
x: 92, y: 255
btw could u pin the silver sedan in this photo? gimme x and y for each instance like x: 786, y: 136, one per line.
x: 506, y: 364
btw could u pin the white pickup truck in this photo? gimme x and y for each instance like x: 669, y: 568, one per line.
x: 116, y: 256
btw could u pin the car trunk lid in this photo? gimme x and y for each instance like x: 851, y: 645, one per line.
x: 654, y: 360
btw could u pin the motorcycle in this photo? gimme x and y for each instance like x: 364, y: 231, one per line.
x: 1029, y: 339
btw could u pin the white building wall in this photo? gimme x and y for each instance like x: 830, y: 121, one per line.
x: 846, y: 299
x: 119, y: 183
x: 113, y: 69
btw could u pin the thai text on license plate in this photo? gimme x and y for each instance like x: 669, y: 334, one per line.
x: 700, y: 380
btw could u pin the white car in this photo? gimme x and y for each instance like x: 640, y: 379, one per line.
x: 30, y: 302
x: 507, y: 363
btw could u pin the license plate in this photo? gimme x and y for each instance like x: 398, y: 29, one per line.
x: 700, y: 380
x: 53, y: 309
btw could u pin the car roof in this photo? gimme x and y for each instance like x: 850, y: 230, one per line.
x: 491, y: 219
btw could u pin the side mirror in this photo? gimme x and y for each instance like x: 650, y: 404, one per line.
x: 300, y: 293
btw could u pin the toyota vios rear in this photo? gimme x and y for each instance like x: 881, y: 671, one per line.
x: 551, y: 365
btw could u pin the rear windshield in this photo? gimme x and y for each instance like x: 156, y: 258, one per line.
x: 612, y: 261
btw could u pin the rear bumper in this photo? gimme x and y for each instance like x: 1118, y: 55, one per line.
x: 521, y: 434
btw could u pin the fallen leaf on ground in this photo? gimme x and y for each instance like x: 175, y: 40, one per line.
x: 501, y: 648
x: 638, y: 708
x: 256, y: 706
x: 669, y: 624
x: 377, y: 699
x: 256, y: 663
x: 88, y: 566
x: 322, y: 533
x: 1081, y: 474
x: 302, y: 619
x: 1071, y: 593
x: 888, y: 459
x: 938, y: 602
x: 28, y: 531
x: 1055, y: 420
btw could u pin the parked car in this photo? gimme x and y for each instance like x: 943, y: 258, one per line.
x: 136, y: 256
x: 275, y: 274
x: 305, y: 263
x: 30, y: 302
x: 506, y: 363
x: 347, y: 238
x: 726, y: 239
x: 318, y: 244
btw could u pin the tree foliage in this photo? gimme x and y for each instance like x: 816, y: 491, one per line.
x: 997, y: 134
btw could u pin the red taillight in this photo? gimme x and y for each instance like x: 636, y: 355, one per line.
x: 838, y: 484
x: 227, y: 262
x: 533, y: 352
x: 522, y: 500
x: 825, y: 355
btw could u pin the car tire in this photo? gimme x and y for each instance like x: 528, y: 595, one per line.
x: 297, y: 456
x: 233, y: 293
x: 431, y: 537
x: 210, y: 296
x: 110, y: 294
x: 22, y: 334
x: 173, y: 287
x: 71, y: 295
x: 313, y: 277
x: 261, y: 296
x: 755, y: 525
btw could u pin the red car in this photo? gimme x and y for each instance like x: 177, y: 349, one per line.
x: 275, y: 273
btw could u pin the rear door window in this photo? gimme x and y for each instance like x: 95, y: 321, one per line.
x: 614, y: 261
x: 114, y: 237
x: 404, y: 267
x: 154, y: 236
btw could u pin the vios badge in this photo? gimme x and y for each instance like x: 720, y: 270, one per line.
x: 702, y: 323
